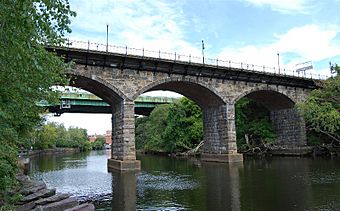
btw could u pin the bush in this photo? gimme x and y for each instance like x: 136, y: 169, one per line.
x: 253, y: 121
x: 170, y: 128
x: 98, y: 144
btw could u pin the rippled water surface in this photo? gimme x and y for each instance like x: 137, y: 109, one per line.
x: 188, y: 184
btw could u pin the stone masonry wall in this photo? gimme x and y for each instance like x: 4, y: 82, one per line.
x: 215, y: 96
x: 290, y: 127
x: 219, y: 129
x: 123, y: 132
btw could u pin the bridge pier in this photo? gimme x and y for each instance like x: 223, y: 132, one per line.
x: 220, y: 134
x: 123, y: 152
x: 290, y: 127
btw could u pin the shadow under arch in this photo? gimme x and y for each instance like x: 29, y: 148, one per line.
x: 268, y: 97
x: 218, y: 117
x: 286, y: 121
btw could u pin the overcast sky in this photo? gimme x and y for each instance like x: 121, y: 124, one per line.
x: 251, y: 31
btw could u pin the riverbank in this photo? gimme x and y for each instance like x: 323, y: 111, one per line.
x: 36, y: 195
x: 280, y: 151
x: 32, y: 153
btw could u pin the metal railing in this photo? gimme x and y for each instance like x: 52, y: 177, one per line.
x: 93, y: 46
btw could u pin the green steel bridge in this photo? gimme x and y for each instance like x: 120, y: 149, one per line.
x: 71, y: 102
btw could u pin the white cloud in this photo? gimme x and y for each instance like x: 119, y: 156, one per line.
x: 153, y: 25
x: 300, y: 44
x: 284, y: 6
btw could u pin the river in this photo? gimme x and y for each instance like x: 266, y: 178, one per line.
x: 165, y: 183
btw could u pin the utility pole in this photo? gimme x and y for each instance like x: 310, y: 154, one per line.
x: 278, y: 61
x: 107, y: 38
x: 203, y: 50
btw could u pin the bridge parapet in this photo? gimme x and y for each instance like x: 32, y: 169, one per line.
x: 190, y: 59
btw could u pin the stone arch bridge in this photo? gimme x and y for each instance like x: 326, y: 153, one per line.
x: 120, y: 78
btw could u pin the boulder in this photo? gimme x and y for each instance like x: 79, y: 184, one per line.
x: 82, y: 207
x: 25, y: 207
x: 44, y: 193
x: 60, y: 205
x: 51, y: 199
x: 30, y: 187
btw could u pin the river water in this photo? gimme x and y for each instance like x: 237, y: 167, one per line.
x: 166, y: 183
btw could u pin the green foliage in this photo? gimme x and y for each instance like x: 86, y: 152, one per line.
x: 54, y: 135
x: 170, y: 128
x: 47, y: 137
x: 78, y: 137
x: 252, y: 120
x: 99, y: 143
x: 185, y: 126
x: 142, y: 132
x: 313, y: 138
x: 155, y: 127
x: 321, y: 109
x: 27, y: 70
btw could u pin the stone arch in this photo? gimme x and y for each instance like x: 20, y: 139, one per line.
x: 199, y: 91
x: 123, y: 147
x: 98, y: 86
x: 286, y: 121
x: 270, y: 97
x: 218, y: 122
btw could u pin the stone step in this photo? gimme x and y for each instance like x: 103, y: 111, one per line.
x: 51, y: 199
x: 44, y: 193
x: 59, y: 205
x: 82, y: 207
x: 30, y: 187
x: 25, y: 207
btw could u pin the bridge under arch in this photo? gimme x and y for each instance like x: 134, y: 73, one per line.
x: 120, y: 78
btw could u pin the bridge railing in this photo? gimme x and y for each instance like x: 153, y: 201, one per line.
x: 187, y: 58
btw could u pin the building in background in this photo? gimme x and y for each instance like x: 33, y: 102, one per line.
x: 108, y: 137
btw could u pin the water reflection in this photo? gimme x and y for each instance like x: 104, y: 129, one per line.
x: 124, y: 191
x: 222, y: 182
x: 266, y: 184
x: 188, y: 184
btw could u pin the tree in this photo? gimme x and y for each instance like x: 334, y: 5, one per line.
x: 321, y: 109
x: 27, y: 71
x: 184, y: 126
x: 253, y: 124
x: 47, y: 136
x: 98, y: 143
x: 78, y: 138
x: 141, y: 132
x: 155, y: 127
x: 170, y: 128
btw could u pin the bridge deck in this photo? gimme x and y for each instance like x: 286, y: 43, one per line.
x: 230, y: 71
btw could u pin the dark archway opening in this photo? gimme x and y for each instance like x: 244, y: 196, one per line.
x: 264, y: 118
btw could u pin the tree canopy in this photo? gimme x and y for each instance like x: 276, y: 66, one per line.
x: 170, y: 128
x: 27, y: 70
x: 321, y: 109
x: 253, y: 125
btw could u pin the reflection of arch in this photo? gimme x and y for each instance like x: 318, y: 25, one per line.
x: 271, y: 98
x: 198, y: 91
x: 97, y: 86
